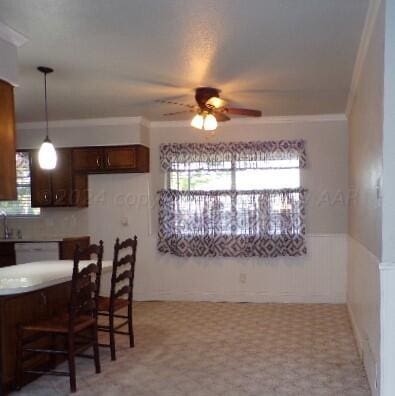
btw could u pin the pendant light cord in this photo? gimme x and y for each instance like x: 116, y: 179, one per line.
x: 46, y: 105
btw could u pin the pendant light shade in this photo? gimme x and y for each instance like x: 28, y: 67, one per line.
x: 47, y: 157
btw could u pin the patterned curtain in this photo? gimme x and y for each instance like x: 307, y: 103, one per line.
x: 266, y: 223
x: 245, y: 155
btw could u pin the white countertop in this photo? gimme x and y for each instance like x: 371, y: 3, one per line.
x: 30, y: 240
x: 38, y: 275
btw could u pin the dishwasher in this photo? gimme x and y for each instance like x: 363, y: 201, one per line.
x: 27, y: 252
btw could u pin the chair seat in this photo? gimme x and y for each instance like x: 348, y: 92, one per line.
x: 60, y: 324
x: 104, y: 304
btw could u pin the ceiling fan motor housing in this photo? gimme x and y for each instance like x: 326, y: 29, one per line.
x: 203, y: 94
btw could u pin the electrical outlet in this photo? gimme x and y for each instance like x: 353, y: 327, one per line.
x: 243, y: 278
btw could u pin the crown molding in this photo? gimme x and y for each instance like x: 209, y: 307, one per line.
x: 367, y: 32
x: 82, y: 123
x: 12, y: 36
x: 260, y: 120
x: 119, y: 121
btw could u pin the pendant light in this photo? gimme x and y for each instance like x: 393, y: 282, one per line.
x: 47, y: 157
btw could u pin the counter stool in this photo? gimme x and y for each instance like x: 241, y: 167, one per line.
x: 78, y: 326
x: 121, y: 285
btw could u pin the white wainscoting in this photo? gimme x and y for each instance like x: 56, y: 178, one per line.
x: 319, y: 277
x: 387, y: 335
x: 363, y: 300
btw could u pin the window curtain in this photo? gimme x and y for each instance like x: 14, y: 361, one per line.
x: 245, y: 155
x: 266, y: 223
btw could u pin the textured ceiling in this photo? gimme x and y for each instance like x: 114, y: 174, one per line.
x: 115, y: 57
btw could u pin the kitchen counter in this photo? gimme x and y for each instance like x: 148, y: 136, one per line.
x: 30, y: 240
x: 29, y: 277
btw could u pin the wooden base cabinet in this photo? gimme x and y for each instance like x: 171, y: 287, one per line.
x: 22, y: 309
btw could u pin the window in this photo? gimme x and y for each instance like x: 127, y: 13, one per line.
x: 22, y: 206
x: 283, y: 174
x: 235, y: 199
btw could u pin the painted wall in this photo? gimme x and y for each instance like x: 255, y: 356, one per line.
x: 126, y: 204
x: 365, y: 207
x: 387, y: 267
x: 8, y: 62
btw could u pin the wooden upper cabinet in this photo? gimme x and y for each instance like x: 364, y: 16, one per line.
x: 120, y: 158
x: 60, y: 186
x: 87, y: 159
x: 62, y: 179
x: 117, y: 159
x: 40, y: 183
x: 7, y: 143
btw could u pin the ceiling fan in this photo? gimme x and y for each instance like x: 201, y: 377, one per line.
x: 210, y: 109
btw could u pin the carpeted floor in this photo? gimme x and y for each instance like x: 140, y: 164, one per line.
x: 210, y: 349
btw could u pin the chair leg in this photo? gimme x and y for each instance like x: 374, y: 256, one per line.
x: 71, y: 360
x: 112, y: 336
x: 19, y: 359
x: 130, y: 325
x: 96, y: 348
x: 52, y: 358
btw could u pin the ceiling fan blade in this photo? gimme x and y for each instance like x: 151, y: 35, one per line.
x: 178, y: 112
x: 243, y: 112
x: 176, y: 103
x: 220, y: 116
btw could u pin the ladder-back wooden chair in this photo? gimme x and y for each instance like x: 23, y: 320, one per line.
x: 77, y: 326
x: 121, y: 294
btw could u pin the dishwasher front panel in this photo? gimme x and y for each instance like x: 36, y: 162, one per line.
x: 28, y: 252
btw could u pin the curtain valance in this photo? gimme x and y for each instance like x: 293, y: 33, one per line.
x: 266, y: 223
x: 243, y: 155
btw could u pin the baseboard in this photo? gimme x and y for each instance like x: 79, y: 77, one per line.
x: 356, y: 332
x: 365, y: 353
x: 240, y: 297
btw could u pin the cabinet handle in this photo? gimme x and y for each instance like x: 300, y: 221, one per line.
x: 56, y: 196
x: 98, y: 161
x: 44, y: 298
x: 108, y: 161
x: 45, y: 196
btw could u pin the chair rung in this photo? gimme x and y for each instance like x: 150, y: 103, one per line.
x: 107, y: 329
x: 104, y: 345
x: 49, y: 372
x: 49, y: 351
x: 121, y: 316
x: 121, y: 332
x: 82, y: 355
x: 121, y: 325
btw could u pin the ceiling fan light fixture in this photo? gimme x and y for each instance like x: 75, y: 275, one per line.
x: 210, y: 123
x: 198, y: 121
x: 216, y: 102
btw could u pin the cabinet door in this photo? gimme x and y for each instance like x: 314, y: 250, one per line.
x: 7, y: 254
x: 122, y: 158
x: 88, y: 159
x: 80, y: 196
x: 7, y: 142
x: 62, y: 179
x: 40, y: 183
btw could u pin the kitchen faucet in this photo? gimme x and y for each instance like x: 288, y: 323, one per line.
x: 6, y: 231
